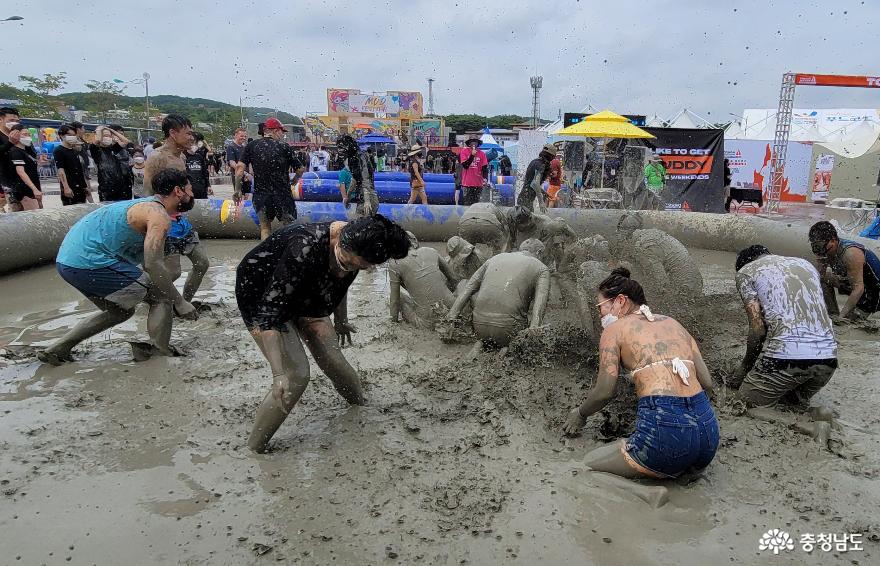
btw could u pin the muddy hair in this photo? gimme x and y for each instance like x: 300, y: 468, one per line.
x: 619, y: 283
x: 823, y: 231
x: 174, y: 122
x: 166, y: 180
x: 375, y: 238
x: 749, y: 255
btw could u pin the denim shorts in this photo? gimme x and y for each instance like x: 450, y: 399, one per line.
x: 674, y: 434
x: 121, y: 284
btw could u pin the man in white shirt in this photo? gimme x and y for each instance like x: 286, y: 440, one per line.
x: 791, y: 352
x: 319, y: 160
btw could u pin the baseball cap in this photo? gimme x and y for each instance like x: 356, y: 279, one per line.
x: 274, y: 124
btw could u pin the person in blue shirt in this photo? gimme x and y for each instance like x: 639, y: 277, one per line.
x: 345, y: 180
x: 115, y: 256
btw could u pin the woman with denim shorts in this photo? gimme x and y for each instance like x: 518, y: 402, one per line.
x: 676, y: 430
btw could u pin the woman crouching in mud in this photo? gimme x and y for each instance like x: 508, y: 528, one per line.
x: 676, y: 430
x: 286, y: 288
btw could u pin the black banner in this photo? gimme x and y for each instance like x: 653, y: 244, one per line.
x: 570, y: 118
x: 694, y: 161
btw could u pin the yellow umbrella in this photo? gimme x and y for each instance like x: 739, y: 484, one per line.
x: 605, y: 124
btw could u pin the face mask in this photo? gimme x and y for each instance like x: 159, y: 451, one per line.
x: 72, y: 140
x: 10, y: 124
x: 609, y: 318
x: 26, y: 141
x: 139, y: 160
x: 200, y: 144
x: 106, y: 142
x: 186, y: 206
x: 193, y: 148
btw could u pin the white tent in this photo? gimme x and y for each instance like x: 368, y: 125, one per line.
x: 655, y: 121
x: 689, y: 120
x: 733, y: 131
x: 847, y: 132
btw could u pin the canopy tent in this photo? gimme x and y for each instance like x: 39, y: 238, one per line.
x: 488, y: 141
x: 606, y: 124
x: 846, y: 132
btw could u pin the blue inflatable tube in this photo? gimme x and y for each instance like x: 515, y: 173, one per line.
x: 327, y: 190
x: 385, y: 176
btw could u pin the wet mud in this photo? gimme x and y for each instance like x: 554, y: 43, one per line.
x: 452, y: 461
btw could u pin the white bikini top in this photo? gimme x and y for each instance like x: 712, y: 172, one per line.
x: 678, y: 365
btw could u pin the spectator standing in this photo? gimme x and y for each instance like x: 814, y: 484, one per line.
x: 178, y: 138
x: 233, y: 158
x: 272, y: 161
x: 8, y: 118
x: 536, y: 173
x: 138, y: 165
x: 655, y: 175
x: 112, y: 160
x: 148, y: 147
x: 554, y: 180
x: 475, y: 170
x: 84, y: 151
x: 71, y: 176
x: 319, y: 160
x: 23, y: 161
x: 506, y: 166
x: 196, y: 159
x: 416, y: 176
x: 362, y: 190
x: 456, y: 177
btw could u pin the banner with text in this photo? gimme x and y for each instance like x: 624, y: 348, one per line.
x: 694, y: 161
x: 749, y: 162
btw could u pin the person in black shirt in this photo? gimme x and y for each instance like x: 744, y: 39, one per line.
x: 286, y: 288
x: 536, y: 173
x: 272, y: 160
x: 197, y: 167
x: 26, y: 179
x: 8, y: 117
x: 113, y: 163
x: 71, y: 177
x: 84, y: 151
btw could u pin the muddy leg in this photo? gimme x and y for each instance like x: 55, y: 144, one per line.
x: 322, y: 341
x: 200, y: 265
x: 609, y: 459
x: 819, y: 430
x: 654, y: 495
x: 273, y: 411
x: 60, y: 351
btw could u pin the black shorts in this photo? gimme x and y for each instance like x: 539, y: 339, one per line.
x: 79, y: 197
x: 275, y: 206
x: 15, y: 194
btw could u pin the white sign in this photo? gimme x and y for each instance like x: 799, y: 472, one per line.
x: 822, y: 177
x: 749, y: 162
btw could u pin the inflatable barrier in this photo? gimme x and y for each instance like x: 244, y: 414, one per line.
x: 32, y: 238
x: 385, y: 176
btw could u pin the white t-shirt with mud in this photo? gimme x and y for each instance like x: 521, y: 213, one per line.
x: 788, y: 288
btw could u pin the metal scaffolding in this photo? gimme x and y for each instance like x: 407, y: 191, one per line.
x: 780, y: 142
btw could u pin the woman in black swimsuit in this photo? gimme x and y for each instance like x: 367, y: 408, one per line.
x: 286, y: 288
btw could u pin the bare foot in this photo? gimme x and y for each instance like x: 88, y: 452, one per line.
x: 54, y: 358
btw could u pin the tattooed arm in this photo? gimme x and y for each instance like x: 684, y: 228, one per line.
x: 603, y: 390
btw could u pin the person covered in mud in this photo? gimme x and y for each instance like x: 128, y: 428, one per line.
x: 676, y: 429
x: 503, y: 292
x: 464, y: 257
x: 791, y: 352
x: 485, y: 223
x: 554, y: 233
x: 848, y: 267
x: 101, y: 254
x: 418, y: 281
x: 664, y: 261
x: 272, y: 161
x: 286, y: 289
x: 533, y: 184
x: 362, y: 189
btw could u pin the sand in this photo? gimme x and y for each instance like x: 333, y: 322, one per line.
x: 452, y: 462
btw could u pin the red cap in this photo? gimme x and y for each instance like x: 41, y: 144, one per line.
x: 274, y: 124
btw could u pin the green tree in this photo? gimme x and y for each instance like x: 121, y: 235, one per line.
x: 45, y: 85
x: 105, y: 95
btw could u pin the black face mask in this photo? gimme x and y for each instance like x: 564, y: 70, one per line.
x: 186, y: 206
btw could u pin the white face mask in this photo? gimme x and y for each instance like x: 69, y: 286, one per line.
x: 72, y: 140
x: 193, y: 148
x: 609, y: 318
x: 138, y: 160
x: 200, y: 144
x: 26, y: 141
x: 10, y: 124
x: 108, y: 141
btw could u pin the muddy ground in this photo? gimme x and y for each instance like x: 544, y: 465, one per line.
x: 109, y: 462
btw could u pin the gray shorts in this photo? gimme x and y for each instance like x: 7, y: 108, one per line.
x: 795, y: 381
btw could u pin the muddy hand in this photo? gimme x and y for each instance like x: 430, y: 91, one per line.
x: 344, y: 330
x: 574, y: 423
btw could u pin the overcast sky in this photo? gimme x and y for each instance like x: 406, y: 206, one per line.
x: 633, y: 56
